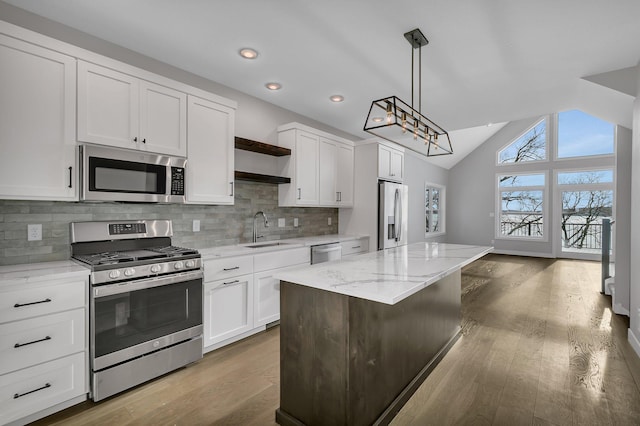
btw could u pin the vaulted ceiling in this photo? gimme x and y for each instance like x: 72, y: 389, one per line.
x: 488, y: 61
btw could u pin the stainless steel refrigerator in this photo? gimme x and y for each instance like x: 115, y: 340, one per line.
x: 393, y: 214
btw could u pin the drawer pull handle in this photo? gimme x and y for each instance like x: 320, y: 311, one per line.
x: 231, y: 282
x: 18, y: 395
x: 231, y: 269
x: 355, y: 247
x: 17, y: 345
x: 19, y: 305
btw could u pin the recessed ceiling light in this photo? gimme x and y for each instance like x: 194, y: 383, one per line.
x: 377, y: 119
x: 248, y: 53
x: 336, y: 98
x: 273, y: 86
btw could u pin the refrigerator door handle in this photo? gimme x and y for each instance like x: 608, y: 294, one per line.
x: 398, y: 215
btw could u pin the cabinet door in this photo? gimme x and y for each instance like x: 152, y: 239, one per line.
x: 108, y: 107
x: 266, y: 298
x: 328, y: 155
x: 37, y: 116
x: 210, y: 152
x: 228, y: 308
x: 163, y: 119
x: 397, y: 165
x: 344, y: 180
x: 384, y: 162
x: 306, y: 157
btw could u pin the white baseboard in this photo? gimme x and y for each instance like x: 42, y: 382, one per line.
x: 619, y: 309
x: 523, y: 253
x: 634, y: 341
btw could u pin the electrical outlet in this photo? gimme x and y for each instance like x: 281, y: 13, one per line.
x: 196, y: 225
x: 493, y: 242
x: 34, y: 232
x: 491, y: 214
x: 281, y: 222
x: 295, y: 222
x: 328, y: 221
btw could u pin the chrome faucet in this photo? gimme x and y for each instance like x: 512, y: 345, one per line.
x: 255, y: 226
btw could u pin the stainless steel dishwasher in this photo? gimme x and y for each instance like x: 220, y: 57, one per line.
x: 326, y: 253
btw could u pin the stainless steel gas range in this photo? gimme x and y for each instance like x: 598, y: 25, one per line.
x: 145, y: 304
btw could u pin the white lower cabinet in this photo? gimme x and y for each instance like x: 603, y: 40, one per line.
x: 228, y: 308
x: 43, y: 342
x: 353, y: 247
x: 241, y: 296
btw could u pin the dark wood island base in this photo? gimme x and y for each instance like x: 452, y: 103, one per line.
x: 345, y: 360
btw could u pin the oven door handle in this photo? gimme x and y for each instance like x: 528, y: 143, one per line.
x: 125, y: 287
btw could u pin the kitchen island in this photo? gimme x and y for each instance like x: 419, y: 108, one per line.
x: 359, y: 336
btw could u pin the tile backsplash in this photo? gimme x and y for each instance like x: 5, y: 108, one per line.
x: 219, y: 225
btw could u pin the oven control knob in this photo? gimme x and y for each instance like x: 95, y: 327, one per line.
x: 178, y: 265
x: 190, y: 263
x: 129, y: 272
x: 156, y: 268
x: 114, y: 274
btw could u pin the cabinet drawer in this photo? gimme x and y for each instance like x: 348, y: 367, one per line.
x: 220, y: 269
x: 35, y: 340
x: 34, y: 389
x: 360, y: 245
x: 281, y: 259
x: 33, y: 301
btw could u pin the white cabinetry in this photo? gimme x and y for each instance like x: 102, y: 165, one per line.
x: 121, y: 110
x: 228, y: 300
x: 301, y: 166
x: 267, y: 288
x: 210, y: 167
x: 353, y: 247
x: 37, y: 120
x: 320, y: 167
x: 43, y: 346
x: 390, y: 163
x: 336, y: 174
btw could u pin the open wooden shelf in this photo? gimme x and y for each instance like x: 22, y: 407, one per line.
x: 256, y: 177
x: 261, y: 147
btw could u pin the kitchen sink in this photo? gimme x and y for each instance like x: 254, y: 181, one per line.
x: 260, y: 245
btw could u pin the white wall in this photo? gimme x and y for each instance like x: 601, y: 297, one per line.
x: 623, y: 220
x: 417, y: 172
x: 634, y: 328
x: 363, y: 217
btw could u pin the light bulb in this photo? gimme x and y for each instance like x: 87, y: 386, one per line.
x: 404, y: 122
x: 389, y: 113
x: 415, y: 130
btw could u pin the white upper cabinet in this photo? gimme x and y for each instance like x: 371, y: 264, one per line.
x: 336, y: 173
x: 210, y: 164
x: 37, y: 120
x: 320, y: 167
x: 121, y: 110
x: 390, y: 163
x: 301, y: 166
x: 344, y: 180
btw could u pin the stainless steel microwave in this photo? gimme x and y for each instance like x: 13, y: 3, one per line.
x: 114, y: 174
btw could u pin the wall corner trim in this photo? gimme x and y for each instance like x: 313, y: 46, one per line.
x: 634, y: 341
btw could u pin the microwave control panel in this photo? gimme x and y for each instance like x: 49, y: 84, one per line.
x: 177, y: 180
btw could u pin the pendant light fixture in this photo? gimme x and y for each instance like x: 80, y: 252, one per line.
x: 412, y: 124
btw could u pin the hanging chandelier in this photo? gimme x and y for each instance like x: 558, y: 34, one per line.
x: 394, y: 120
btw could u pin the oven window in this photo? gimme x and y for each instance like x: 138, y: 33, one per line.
x: 135, y: 317
x: 109, y: 175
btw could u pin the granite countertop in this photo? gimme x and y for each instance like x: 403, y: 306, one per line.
x: 36, y: 272
x: 275, y: 245
x: 387, y: 276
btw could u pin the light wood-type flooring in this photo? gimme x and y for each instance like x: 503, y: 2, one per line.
x: 540, y: 346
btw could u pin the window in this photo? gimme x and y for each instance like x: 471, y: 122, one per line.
x: 582, y: 135
x: 521, y: 198
x: 587, y: 198
x: 531, y: 146
x: 434, y: 209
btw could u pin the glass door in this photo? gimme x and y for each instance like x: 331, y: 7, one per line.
x: 585, y: 198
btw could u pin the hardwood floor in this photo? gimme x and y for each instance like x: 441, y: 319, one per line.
x: 540, y: 346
